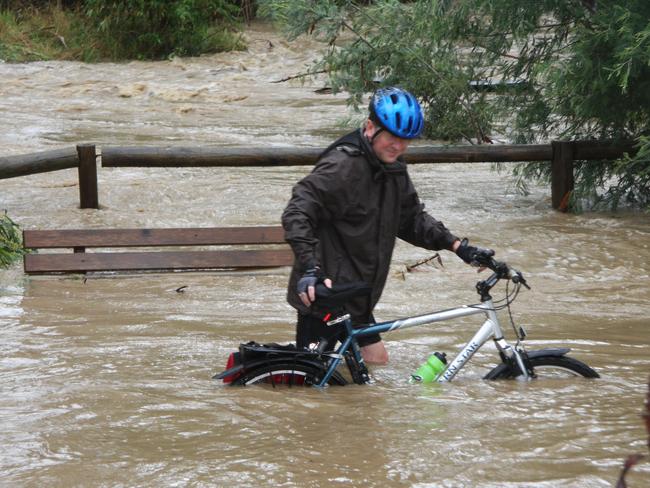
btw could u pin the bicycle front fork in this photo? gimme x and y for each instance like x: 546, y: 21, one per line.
x: 515, y: 357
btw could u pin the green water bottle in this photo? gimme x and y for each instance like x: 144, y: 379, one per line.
x: 430, y: 370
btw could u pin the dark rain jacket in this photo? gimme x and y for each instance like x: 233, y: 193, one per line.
x: 345, y: 215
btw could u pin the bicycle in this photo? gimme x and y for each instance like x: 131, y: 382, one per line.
x: 287, y: 365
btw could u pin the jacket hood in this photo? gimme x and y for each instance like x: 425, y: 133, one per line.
x: 357, y: 140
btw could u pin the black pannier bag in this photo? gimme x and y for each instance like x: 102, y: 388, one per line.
x: 251, y: 355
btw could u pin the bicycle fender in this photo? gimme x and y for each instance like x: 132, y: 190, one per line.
x: 560, y: 351
x: 263, y: 361
x: 228, y: 372
x: 497, y: 370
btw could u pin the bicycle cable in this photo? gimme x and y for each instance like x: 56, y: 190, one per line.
x: 512, y: 320
x: 508, y: 299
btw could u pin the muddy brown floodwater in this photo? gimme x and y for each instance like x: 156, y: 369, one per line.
x: 107, y: 381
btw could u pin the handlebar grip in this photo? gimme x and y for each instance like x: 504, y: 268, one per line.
x: 517, y: 277
x: 339, y: 294
x: 484, y: 257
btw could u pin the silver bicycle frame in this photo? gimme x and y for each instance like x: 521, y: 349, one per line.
x: 490, y: 329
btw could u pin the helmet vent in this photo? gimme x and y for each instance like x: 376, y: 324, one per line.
x: 397, y: 111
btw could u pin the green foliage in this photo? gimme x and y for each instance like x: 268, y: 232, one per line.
x: 151, y: 29
x: 92, y: 30
x: 584, y: 68
x: 30, y: 34
x: 10, y: 241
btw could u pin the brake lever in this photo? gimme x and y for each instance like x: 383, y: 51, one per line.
x: 519, y: 278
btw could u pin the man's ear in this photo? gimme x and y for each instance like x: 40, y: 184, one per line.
x: 369, y: 128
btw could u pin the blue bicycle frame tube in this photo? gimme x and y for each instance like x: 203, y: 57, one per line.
x: 336, y: 360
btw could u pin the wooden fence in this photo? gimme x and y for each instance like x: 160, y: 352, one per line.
x: 561, y: 155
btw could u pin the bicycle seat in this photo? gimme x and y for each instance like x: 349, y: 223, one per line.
x: 338, y: 295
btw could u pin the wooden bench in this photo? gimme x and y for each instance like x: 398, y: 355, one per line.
x: 77, y: 260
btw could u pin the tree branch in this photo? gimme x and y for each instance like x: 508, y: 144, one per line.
x: 301, y: 75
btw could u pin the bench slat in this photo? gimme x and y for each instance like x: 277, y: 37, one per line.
x: 48, y: 239
x: 155, y: 261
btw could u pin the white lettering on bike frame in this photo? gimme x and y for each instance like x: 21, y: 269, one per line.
x: 484, y: 333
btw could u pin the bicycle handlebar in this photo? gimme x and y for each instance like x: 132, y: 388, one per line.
x: 501, y: 269
x: 338, y: 295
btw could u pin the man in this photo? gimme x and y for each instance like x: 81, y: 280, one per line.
x: 343, y: 218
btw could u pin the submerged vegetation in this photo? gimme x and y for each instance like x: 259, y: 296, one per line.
x: 557, y: 69
x: 94, y: 30
x: 10, y: 241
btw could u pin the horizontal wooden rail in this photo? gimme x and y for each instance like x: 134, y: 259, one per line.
x: 596, y: 150
x: 180, y: 157
x: 142, y: 156
x: 158, y: 261
x: 299, y: 156
x: 197, y: 236
x: 560, y: 154
x: 40, y: 162
x: 157, y: 157
x: 484, y: 153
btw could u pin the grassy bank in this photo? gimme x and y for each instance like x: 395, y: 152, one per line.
x: 35, y: 35
x: 10, y: 241
x: 38, y: 34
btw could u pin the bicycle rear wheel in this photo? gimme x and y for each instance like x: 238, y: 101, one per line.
x: 547, y: 367
x: 288, y: 374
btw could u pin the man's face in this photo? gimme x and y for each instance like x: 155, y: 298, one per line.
x: 387, y: 147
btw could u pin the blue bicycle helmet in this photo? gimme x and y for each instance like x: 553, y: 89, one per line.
x: 398, y: 112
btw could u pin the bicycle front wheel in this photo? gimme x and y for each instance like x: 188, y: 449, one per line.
x: 546, y: 366
x: 287, y: 374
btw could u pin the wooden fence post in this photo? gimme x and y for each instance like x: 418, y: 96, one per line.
x: 561, y: 174
x: 88, y: 197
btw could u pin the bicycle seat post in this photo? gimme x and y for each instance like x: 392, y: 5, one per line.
x: 348, y: 323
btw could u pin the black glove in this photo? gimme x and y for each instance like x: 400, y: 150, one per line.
x: 472, y: 255
x: 311, y: 277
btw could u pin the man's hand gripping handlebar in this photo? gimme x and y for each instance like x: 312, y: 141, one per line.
x: 306, y: 286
